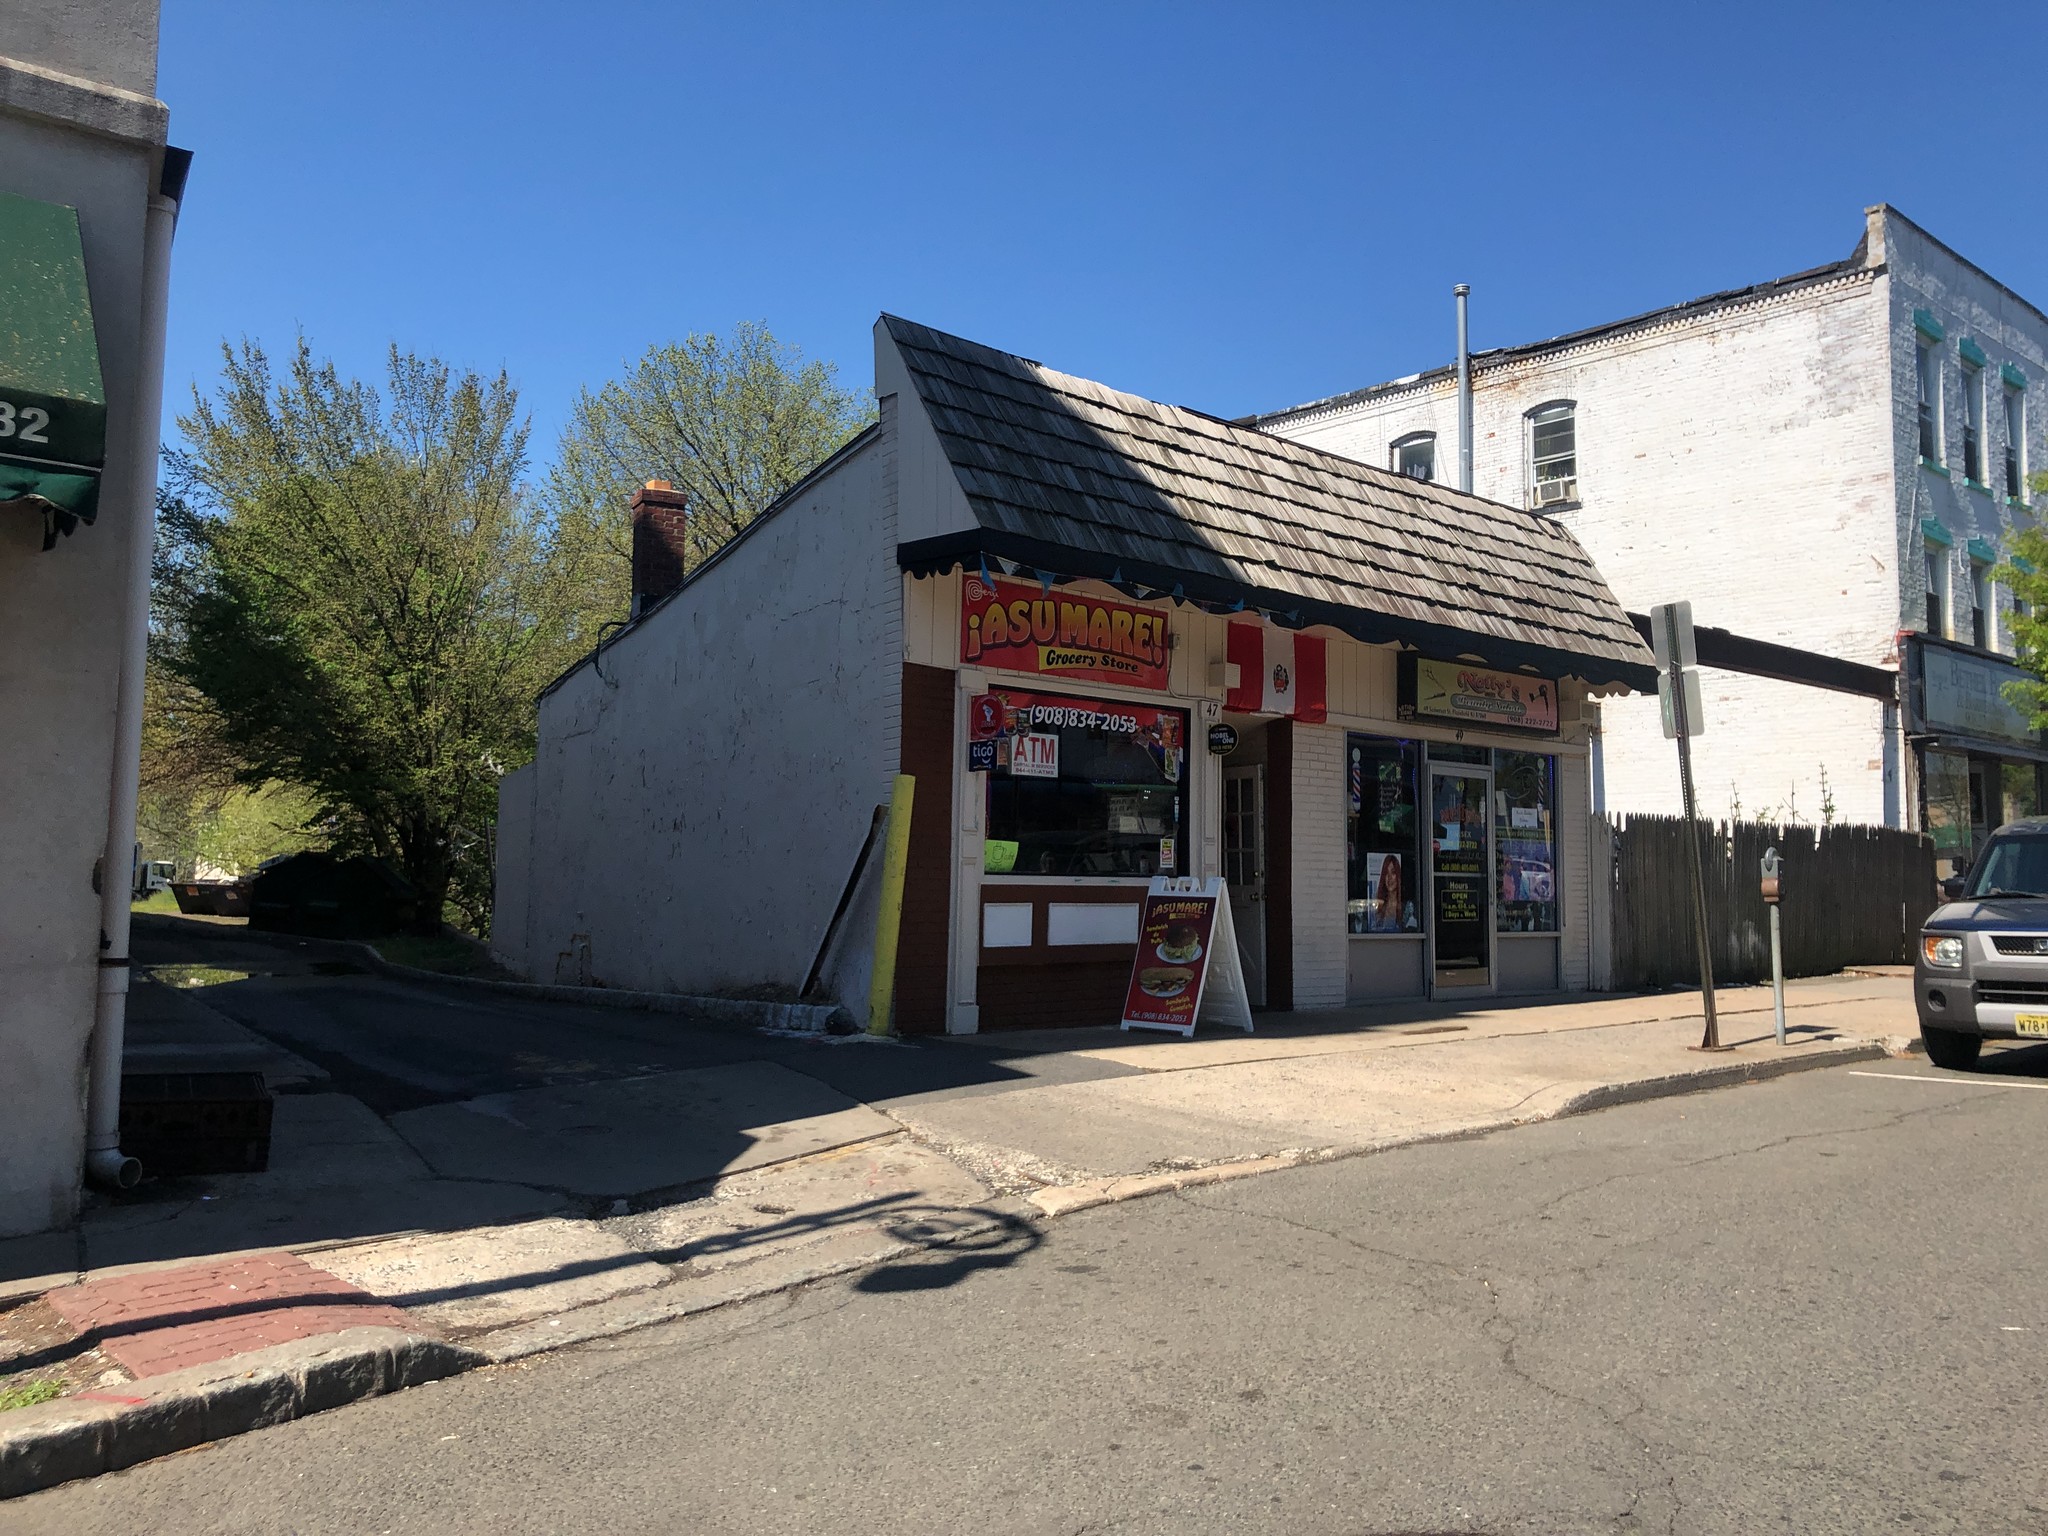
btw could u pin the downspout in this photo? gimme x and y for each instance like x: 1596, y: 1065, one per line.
x: 1463, y: 291
x: 105, y: 1163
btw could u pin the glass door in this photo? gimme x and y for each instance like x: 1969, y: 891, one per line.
x: 1460, y: 883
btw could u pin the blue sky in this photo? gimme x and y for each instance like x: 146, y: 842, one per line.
x: 1233, y: 207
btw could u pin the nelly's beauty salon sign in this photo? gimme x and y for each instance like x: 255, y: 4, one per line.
x: 1020, y: 628
x: 1452, y: 690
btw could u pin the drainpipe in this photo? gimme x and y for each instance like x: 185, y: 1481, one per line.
x: 1463, y: 290
x: 105, y: 1163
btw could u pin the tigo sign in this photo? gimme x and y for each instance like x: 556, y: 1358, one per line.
x: 1019, y: 628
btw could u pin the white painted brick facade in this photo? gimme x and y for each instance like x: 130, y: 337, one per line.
x: 1320, y: 941
x: 1757, y: 455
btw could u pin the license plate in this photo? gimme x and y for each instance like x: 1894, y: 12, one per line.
x: 2031, y: 1023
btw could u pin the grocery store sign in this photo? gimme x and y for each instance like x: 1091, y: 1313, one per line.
x: 1020, y: 628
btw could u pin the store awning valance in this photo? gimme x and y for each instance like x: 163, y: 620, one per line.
x: 53, y: 405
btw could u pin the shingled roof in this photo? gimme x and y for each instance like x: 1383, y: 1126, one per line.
x: 1071, y: 478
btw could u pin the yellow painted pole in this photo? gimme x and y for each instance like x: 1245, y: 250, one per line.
x: 889, y: 921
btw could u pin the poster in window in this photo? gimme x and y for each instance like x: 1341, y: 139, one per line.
x: 1391, y: 906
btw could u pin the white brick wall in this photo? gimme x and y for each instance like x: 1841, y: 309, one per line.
x: 1760, y: 459
x: 1739, y: 459
x: 1320, y: 953
x: 1576, y: 873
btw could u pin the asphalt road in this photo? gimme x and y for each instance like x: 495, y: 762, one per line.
x: 1811, y: 1305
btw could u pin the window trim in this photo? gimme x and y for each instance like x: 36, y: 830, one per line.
x: 1411, y: 440
x: 1937, y: 613
x: 1928, y: 414
x: 1551, y: 408
x: 1972, y: 435
x: 2012, y: 402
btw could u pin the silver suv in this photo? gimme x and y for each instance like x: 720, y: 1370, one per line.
x: 1982, y: 966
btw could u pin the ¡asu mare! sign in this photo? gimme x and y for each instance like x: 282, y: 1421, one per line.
x: 1019, y: 628
x: 1452, y: 690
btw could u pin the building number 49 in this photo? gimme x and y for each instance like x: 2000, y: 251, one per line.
x: 25, y: 425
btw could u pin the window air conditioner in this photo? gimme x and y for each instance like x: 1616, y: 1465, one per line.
x: 1550, y: 493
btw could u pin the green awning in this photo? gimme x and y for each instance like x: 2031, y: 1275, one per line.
x: 53, y: 407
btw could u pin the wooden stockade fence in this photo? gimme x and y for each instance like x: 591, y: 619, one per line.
x: 1852, y: 896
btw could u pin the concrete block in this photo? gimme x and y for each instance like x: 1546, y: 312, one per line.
x: 166, y: 1422
x: 52, y: 1443
x: 348, y: 1368
x: 252, y: 1399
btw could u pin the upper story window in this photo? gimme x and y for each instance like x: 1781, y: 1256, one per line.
x: 1927, y: 375
x: 1415, y: 455
x: 2015, y: 441
x: 1553, y: 454
x: 1980, y: 605
x: 1973, y: 424
x: 1937, y: 588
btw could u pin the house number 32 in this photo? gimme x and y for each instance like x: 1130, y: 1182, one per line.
x: 24, y: 425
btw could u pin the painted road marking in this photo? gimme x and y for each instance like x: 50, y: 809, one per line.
x: 1956, y: 1082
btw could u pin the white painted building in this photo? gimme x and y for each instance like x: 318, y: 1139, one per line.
x: 1761, y: 453
x: 1399, y: 678
x: 87, y: 199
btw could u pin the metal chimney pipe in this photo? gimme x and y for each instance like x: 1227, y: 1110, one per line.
x: 1463, y: 291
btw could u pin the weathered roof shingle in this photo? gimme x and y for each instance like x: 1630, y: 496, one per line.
x: 1069, y: 476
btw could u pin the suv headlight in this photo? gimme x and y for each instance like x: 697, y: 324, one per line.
x: 1944, y: 950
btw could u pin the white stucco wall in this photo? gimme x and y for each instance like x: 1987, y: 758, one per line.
x: 1741, y: 458
x: 698, y: 804
x: 107, y: 42
x: 59, y: 670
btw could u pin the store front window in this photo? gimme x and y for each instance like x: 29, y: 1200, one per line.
x: 1945, y: 780
x: 1525, y: 841
x: 1381, y: 845
x: 1086, y: 787
x: 2022, y: 790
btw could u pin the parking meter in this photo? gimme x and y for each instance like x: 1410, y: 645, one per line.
x: 1770, y: 882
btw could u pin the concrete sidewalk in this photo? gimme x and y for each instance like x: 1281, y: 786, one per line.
x: 1358, y: 1080
x: 492, y: 1228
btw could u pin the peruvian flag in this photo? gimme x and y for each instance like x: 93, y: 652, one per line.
x: 1279, y: 672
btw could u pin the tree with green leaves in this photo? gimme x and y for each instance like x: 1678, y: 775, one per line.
x: 731, y: 422
x: 364, y: 597
x: 2025, y: 573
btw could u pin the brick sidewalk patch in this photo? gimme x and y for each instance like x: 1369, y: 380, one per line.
x: 168, y: 1319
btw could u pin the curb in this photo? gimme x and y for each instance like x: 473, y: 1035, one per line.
x: 91, y: 1433
x: 1733, y: 1075
x: 1065, y: 1199
x: 799, y: 1018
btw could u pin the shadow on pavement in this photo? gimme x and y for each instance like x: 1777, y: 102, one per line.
x: 418, y: 1108
x: 1002, y: 1245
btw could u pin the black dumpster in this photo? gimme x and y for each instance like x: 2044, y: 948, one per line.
x: 334, y: 897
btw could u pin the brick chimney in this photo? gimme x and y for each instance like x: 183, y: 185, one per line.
x: 660, y: 522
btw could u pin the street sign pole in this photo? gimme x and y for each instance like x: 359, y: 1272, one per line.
x: 1676, y: 682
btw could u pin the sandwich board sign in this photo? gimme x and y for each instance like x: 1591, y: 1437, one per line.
x: 1187, y: 969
